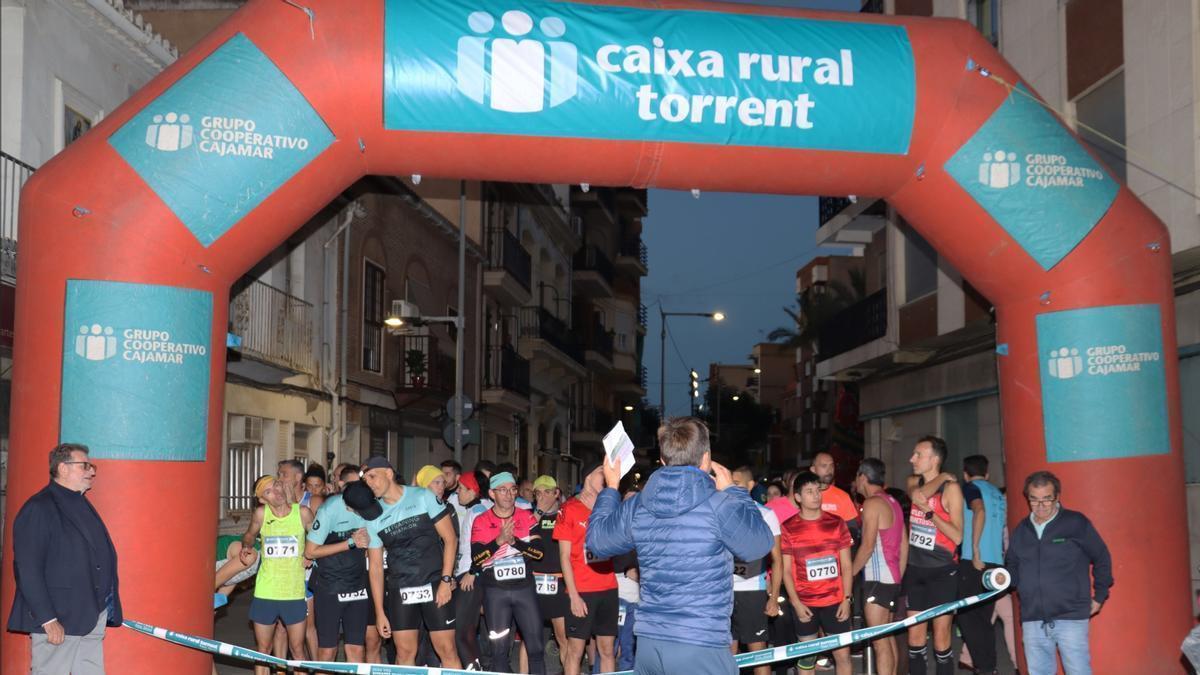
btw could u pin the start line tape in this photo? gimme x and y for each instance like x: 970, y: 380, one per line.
x: 996, y: 579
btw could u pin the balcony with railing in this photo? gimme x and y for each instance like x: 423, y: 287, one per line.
x: 852, y: 222
x: 423, y: 367
x: 629, y: 382
x: 13, y: 174
x: 593, y: 272
x: 275, y: 327
x: 506, y: 379
x: 599, y: 350
x: 632, y: 199
x: 633, y: 257
x: 549, y: 335
x: 508, y: 273
x: 602, y: 199
x: 591, y: 424
x: 855, y: 326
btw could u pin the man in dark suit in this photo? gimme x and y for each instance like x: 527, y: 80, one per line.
x: 65, y: 569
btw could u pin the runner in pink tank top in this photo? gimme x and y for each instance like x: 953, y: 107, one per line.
x: 881, y: 557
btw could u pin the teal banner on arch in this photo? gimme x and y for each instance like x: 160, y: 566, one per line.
x: 135, y: 374
x: 223, y: 139
x: 1034, y: 178
x: 541, y: 68
x: 1104, y: 383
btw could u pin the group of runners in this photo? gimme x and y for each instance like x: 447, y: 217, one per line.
x: 418, y: 573
x: 455, y: 567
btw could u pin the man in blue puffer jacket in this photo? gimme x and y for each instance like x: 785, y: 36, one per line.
x: 687, y: 528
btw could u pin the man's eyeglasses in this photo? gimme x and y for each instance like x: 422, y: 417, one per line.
x: 507, y: 490
x: 87, y: 466
x: 1042, y: 502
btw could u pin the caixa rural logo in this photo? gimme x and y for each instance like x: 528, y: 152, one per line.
x: 100, y: 343
x: 506, y: 69
x: 173, y: 131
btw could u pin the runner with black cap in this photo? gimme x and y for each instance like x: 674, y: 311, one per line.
x: 421, y: 549
x: 338, y: 539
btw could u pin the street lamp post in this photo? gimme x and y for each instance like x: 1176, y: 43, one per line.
x: 662, y: 353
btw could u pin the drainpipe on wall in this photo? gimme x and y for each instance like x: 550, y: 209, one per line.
x: 337, y: 431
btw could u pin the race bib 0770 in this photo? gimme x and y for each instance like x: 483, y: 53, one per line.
x: 820, y: 569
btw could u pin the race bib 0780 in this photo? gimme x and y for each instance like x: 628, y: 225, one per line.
x: 509, y: 569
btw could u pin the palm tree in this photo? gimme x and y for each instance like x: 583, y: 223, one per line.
x: 815, y: 306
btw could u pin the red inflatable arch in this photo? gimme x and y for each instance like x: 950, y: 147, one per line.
x: 131, y: 239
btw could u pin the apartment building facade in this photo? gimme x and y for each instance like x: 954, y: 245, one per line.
x: 65, y: 66
x: 1123, y: 74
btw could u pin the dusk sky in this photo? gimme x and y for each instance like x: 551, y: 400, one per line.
x: 736, y: 253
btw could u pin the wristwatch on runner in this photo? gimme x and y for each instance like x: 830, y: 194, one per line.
x: 446, y: 578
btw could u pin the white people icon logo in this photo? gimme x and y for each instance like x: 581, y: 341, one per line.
x: 999, y: 169
x: 96, y: 343
x: 518, y: 81
x: 169, y: 132
x: 1065, y: 363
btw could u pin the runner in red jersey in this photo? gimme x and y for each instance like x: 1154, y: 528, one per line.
x: 935, y: 530
x: 591, y: 584
x: 816, y: 562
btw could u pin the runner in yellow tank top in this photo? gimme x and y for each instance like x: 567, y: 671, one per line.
x: 279, y: 586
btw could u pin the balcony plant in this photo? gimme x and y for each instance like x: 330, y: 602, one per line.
x: 415, y: 366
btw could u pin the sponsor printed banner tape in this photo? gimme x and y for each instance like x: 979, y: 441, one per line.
x: 997, y: 579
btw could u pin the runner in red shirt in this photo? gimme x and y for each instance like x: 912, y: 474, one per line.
x: 816, y: 562
x: 591, y: 584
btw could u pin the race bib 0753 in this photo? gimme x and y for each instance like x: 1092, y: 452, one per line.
x: 416, y: 595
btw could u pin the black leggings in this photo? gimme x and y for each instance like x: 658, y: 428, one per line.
x: 501, y: 607
x: 466, y: 624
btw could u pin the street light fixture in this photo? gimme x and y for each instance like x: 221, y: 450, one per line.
x: 662, y: 352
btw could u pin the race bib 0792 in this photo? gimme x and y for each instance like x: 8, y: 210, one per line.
x: 922, y: 536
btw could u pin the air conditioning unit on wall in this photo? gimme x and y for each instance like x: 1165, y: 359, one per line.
x: 245, y: 429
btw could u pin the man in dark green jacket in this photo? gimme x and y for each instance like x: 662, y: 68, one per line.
x: 1062, y: 572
